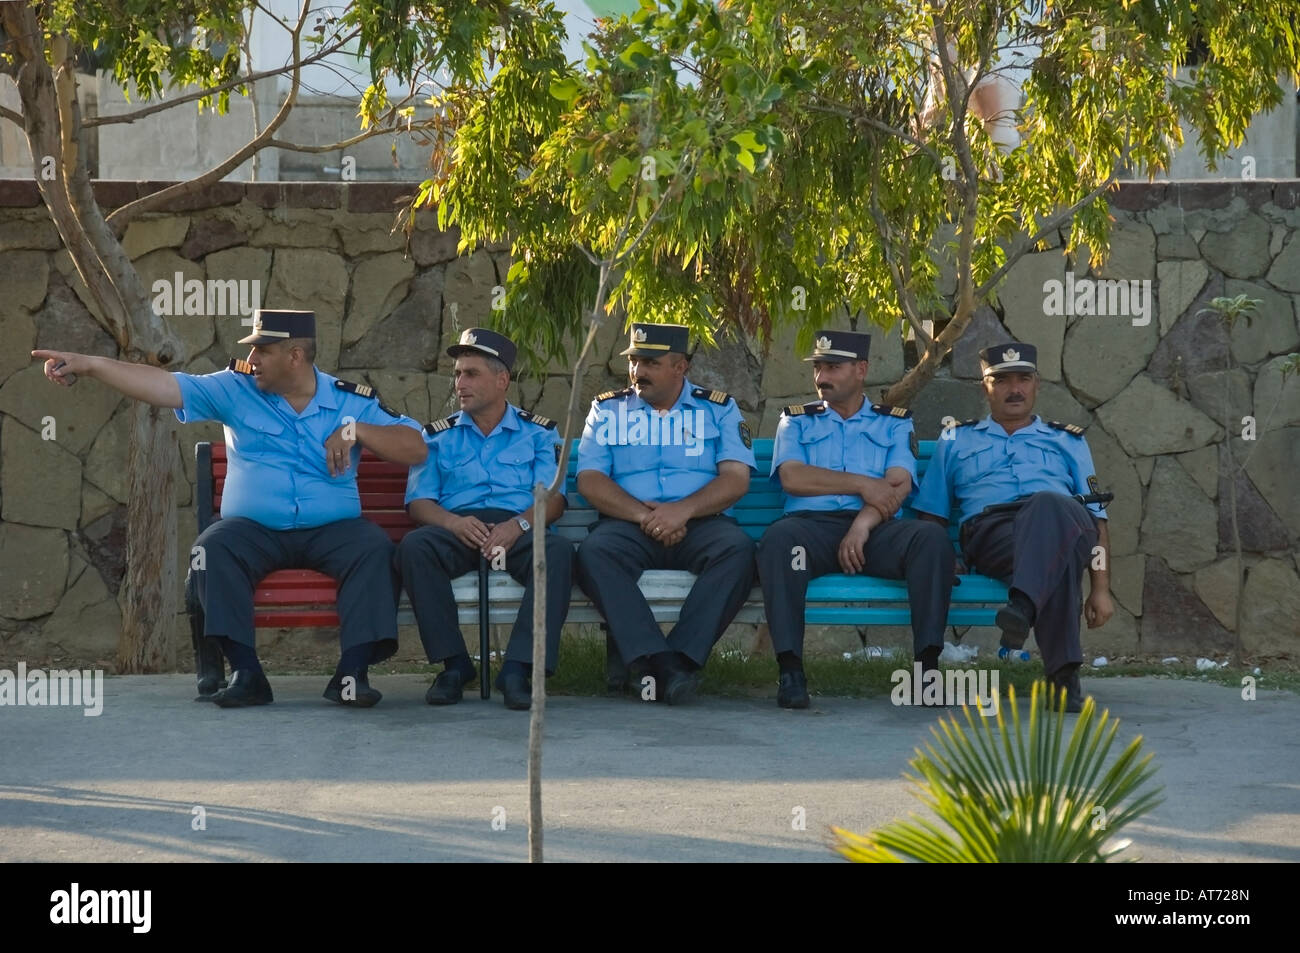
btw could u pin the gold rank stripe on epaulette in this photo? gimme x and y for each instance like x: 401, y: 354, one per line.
x: 361, y: 390
x: 891, y: 411
x: 794, y: 410
x: 438, y: 426
x: 713, y: 396
x: 610, y: 394
x: 239, y: 367
x: 538, y: 419
x: 1068, y: 428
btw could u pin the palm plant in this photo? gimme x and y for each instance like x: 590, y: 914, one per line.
x: 1012, y: 797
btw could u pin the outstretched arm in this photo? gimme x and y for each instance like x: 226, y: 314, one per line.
x: 143, y: 382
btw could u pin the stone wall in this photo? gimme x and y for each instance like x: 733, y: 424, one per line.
x: 1163, y: 402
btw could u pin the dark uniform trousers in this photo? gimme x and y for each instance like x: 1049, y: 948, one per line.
x: 239, y: 553
x: 430, y: 557
x: 1041, y: 549
x: 916, y: 550
x: 715, y: 548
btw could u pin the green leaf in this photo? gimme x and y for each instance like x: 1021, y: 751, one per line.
x: 565, y: 90
x: 637, y: 54
x: 746, y: 140
x: 746, y: 158
x: 621, y: 168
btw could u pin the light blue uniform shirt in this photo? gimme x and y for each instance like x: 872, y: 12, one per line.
x: 466, y: 470
x: 665, y: 457
x: 276, y: 472
x: 982, y: 465
x: 867, y: 443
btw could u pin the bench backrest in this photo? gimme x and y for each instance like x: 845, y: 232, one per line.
x: 382, y: 486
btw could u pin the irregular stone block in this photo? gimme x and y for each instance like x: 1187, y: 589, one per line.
x: 1216, y: 584
x: 79, y: 412
x: 26, y: 278
x: 1285, y: 271
x: 1022, y: 298
x: 1270, y: 622
x: 147, y: 234
x: 39, y: 478
x: 1180, y: 283
x: 1241, y: 252
x: 378, y: 285
x: 1179, y: 522
x: 33, y: 569
x: 407, y: 338
x: 1277, y: 404
x: 1272, y: 468
x: 1147, y: 420
x: 1174, y: 620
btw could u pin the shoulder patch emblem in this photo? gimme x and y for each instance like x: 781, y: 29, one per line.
x: 1068, y: 428
x: 746, y: 437
x: 438, y: 426
x: 1094, y: 484
x: 610, y: 394
x: 888, y: 411
x: 714, y: 396
x: 538, y: 419
x: 794, y: 410
x: 361, y: 390
x: 239, y: 367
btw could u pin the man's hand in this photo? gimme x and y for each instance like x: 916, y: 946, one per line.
x: 338, y: 449
x: 885, y: 497
x: 1099, y: 608
x: 471, y: 531
x: 504, y: 535
x: 665, y: 521
x: 852, y: 553
x: 62, y: 367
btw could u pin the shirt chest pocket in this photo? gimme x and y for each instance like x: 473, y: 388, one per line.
x: 821, y: 450
x: 514, y: 466
x: 1039, y: 455
x: 261, y: 434
x: 973, y: 462
x: 459, y: 464
x: 865, y: 456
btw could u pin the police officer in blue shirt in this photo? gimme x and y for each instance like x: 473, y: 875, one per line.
x: 1041, y: 548
x: 846, y: 466
x: 663, y: 461
x: 474, y: 496
x: 294, y: 436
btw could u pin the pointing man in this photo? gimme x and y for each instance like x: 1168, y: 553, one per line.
x: 294, y: 436
x: 474, y: 496
x: 1041, y: 548
x: 663, y: 461
x: 846, y: 466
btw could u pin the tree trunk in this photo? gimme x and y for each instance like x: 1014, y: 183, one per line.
x: 150, y: 583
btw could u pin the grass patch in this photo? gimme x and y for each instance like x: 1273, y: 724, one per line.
x: 733, y: 674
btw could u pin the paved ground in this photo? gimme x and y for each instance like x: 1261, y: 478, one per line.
x: 718, y: 781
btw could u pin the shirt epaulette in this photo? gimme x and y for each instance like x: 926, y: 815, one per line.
x: 714, y: 396
x: 239, y: 367
x: 609, y: 394
x: 1068, y: 428
x: 438, y: 426
x: 888, y: 411
x: 361, y: 390
x: 966, y: 423
x: 538, y: 419
x: 794, y: 410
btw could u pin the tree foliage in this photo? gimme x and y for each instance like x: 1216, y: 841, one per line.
x: 812, y: 161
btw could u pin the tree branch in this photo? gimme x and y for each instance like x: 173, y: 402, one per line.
x: 119, y: 219
x: 906, y: 300
x: 1053, y: 222
x: 240, y: 81
x: 12, y: 116
x: 847, y: 113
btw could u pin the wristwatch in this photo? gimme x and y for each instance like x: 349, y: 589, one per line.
x: 523, y: 523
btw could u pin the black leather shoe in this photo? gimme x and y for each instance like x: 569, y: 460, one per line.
x: 680, y: 686
x: 448, y: 688
x: 209, y: 667
x: 1067, y: 680
x: 1015, y: 619
x: 514, y: 688
x: 246, y: 688
x: 359, y: 695
x: 792, y: 690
